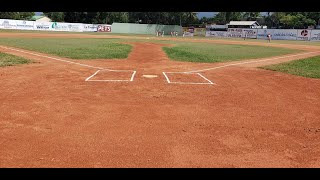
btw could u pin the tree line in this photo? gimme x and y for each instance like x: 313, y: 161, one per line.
x: 287, y: 20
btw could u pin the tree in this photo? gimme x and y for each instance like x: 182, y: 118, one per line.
x: 220, y: 18
x: 16, y: 15
x: 25, y: 15
x: 226, y: 17
x: 275, y: 18
x: 9, y: 15
x: 55, y: 16
x: 251, y: 16
x: 296, y: 20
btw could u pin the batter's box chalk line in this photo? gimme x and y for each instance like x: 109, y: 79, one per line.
x: 186, y: 73
x: 106, y: 80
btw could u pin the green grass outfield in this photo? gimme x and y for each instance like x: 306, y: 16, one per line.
x: 72, y: 48
x: 96, y: 48
x: 309, y: 67
x: 313, y: 43
x: 208, y: 53
x: 10, y: 60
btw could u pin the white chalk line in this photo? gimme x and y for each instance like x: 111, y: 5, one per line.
x: 205, y: 78
x: 134, y: 73
x: 131, y: 78
x: 92, y: 75
x: 170, y: 82
x: 52, y: 58
x: 166, y: 77
x: 80, y: 64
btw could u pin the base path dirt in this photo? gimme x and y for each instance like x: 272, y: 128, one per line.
x: 51, y: 117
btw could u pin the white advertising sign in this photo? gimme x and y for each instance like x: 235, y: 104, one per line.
x: 315, y: 35
x: 8, y: 24
x: 42, y: 26
x: 75, y: 27
x: 187, y: 33
x: 216, y: 33
x: 285, y: 34
x: 262, y: 33
x: 90, y: 27
x: 250, y: 33
x: 57, y: 26
x: 304, y: 34
x: 25, y: 25
x: 234, y: 32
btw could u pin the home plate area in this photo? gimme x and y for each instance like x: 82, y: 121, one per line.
x: 112, y: 75
x: 186, y: 78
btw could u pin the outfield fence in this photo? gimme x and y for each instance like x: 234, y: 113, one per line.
x: 132, y: 28
x: 52, y: 26
x: 276, y: 34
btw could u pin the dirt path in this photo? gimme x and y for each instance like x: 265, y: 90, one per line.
x: 51, y: 117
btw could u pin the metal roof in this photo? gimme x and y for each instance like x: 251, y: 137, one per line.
x: 243, y: 23
x: 34, y: 18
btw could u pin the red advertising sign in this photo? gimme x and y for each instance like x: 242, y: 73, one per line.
x: 104, y: 28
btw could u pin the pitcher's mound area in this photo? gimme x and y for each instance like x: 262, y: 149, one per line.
x: 186, y: 78
x: 112, y: 75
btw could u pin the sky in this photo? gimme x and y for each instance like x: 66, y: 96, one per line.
x: 206, y: 14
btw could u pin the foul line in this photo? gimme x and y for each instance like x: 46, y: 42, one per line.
x: 53, y: 58
x: 85, y: 65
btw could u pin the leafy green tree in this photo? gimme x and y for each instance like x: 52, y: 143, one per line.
x: 296, y: 20
x: 55, y: 16
x: 251, y: 16
x: 16, y: 15
x: 9, y: 15
x: 25, y: 15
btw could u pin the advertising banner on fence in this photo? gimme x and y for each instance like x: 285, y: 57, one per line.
x: 315, y: 35
x: 262, y: 33
x: 188, y: 31
x: 55, y: 26
x: 304, y: 34
x: 234, y: 32
x: 285, y: 34
x: 199, y: 31
x: 104, y: 28
x: 42, y: 26
x: 72, y: 27
x: 250, y: 33
x: 75, y: 27
x: 216, y: 34
x: 25, y: 25
x: 8, y: 24
x: 90, y: 28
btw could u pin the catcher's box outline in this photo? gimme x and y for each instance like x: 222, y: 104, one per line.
x: 170, y: 82
x: 80, y: 64
x: 131, y: 79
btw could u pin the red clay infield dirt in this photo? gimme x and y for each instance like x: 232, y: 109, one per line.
x: 51, y: 117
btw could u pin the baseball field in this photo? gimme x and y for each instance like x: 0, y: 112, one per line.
x: 119, y: 100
